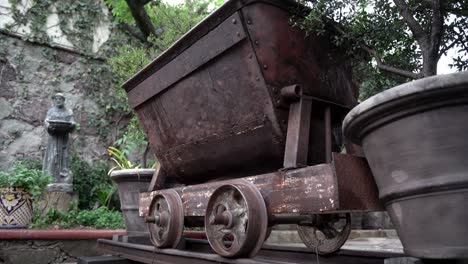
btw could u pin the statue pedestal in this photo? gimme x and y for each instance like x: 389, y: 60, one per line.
x: 57, y: 200
x: 60, y: 187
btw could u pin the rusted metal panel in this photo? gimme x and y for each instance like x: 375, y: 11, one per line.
x: 345, y: 185
x: 220, y: 39
x: 297, y: 140
x: 200, y: 30
x: 199, y: 127
x: 284, y: 192
x: 356, y: 185
x: 212, y: 96
x: 288, y: 56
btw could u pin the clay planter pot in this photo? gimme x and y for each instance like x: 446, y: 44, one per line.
x: 415, y: 139
x: 16, y: 210
x: 130, y: 183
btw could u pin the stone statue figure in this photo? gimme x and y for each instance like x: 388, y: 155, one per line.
x: 58, y: 123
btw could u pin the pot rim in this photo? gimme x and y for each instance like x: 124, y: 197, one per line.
x: 399, y: 99
x: 132, y: 174
x: 18, y: 189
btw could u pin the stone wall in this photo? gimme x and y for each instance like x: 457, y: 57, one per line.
x: 57, y: 46
x: 45, y: 251
x: 29, y: 75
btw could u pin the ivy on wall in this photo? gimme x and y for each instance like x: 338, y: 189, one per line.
x: 77, y: 20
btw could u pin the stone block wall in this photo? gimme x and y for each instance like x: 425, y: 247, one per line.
x: 29, y: 75
x: 45, y: 251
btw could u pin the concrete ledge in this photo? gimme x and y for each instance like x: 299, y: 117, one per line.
x: 291, y: 236
x: 71, y: 234
x: 50, y: 246
x: 368, y: 240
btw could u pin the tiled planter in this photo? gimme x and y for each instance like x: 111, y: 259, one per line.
x: 16, y: 210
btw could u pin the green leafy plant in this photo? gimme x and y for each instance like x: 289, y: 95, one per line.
x: 171, y: 22
x: 120, y: 159
x: 101, y: 218
x: 21, y: 175
x: 392, y: 41
x: 90, y: 182
x: 106, y: 193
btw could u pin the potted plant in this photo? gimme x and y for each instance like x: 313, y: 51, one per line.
x: 414, y: 137
x: 18, y: 187
x: 130, y: 181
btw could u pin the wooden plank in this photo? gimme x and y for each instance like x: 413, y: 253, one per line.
x: 220, y: 39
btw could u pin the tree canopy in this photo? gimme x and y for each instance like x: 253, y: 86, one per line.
x: 395, y: 41
x: 155, y: 28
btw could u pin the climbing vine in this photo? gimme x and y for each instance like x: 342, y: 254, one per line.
x: 77, y: 19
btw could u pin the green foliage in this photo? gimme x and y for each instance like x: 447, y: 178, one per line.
x: 106, y: 194
x: 22, y: 175
x: 172, y: 21
x: 120, y: 11
x: 77, y: 20
x: 120, y: 159
x: 101, y: 218
x: 128, y: 61
x: 92, y: 184
x: 378, y: 24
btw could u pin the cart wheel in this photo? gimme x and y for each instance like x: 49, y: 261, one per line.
x: 327, y: 234
x: 236, y: 220
x: 166, y: 219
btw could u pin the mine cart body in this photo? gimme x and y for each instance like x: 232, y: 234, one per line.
x: 211, y: 104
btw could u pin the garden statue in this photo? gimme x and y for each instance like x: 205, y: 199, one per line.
x: 58, y: 123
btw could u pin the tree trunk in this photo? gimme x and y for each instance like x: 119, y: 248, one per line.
x: 429, y: 64
x: 143, y: 21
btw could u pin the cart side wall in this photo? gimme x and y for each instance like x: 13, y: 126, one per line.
x: 288, y: 56
x: 218, y: 120
x: 213, y: 111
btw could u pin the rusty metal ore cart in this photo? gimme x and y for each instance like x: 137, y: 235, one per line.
x: 245, y: 111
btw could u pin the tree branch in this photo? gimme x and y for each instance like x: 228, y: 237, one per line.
x: 458, y: 12
x: 446, y: 48
x: 133, y: 31
x: 142, y: 19
x: 338, y: 29
x: 445, y: 7
x: 436, y: 27
x: 388, y: 68
x: 415, y: 27
x: 144, y: 2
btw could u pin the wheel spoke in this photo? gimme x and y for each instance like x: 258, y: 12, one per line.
x: 326, y: 239
x: 240, y: 201
x: 167, y: 231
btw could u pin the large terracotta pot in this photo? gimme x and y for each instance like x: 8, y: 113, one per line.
x: 16, y: 210
x: 415, y: 139
x: 130, y: 184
